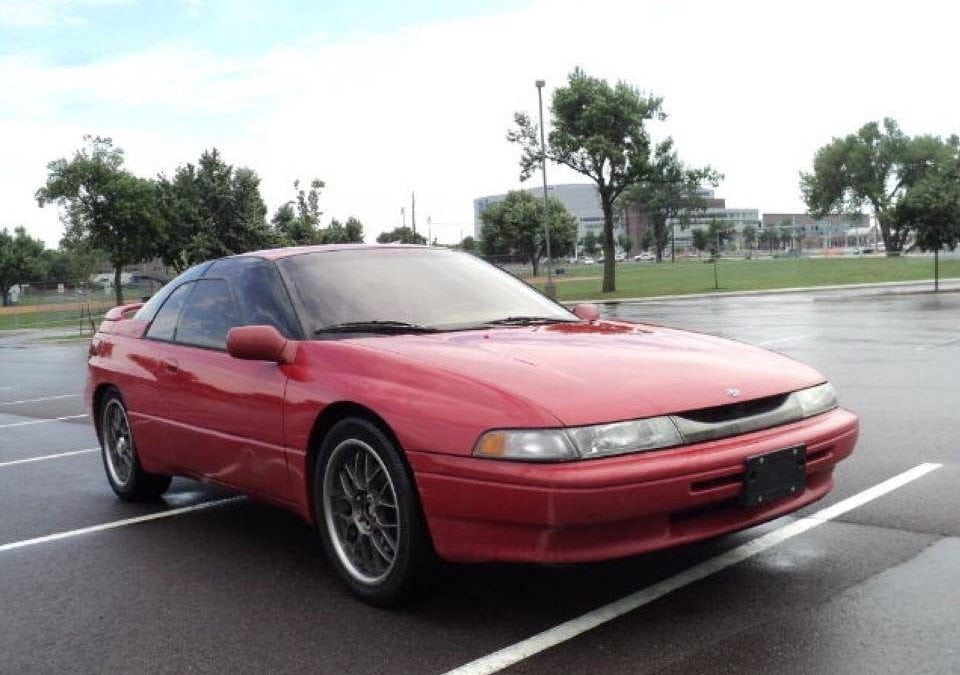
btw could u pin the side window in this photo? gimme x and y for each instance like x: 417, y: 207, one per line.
x: 149, y: 310
x: 165, y: 322
x: 208, y: 315
x: 260, y: 294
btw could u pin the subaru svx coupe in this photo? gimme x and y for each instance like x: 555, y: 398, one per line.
x: 412, y: 402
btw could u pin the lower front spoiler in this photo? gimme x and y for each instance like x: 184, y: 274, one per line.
x: 616, y: 507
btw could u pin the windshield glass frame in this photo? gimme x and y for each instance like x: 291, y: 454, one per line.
x: 293, y: 269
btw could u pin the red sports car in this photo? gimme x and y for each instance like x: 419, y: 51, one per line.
x: 411, y: 400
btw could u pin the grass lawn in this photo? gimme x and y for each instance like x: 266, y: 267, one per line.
x: 680, y: 278
x: 48, y: 319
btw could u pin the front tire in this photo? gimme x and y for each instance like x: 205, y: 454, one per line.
x: 118, y: 451
x: 367, y: 510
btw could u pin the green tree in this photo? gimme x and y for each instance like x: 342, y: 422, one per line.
x: 21, y: 260
x: 700, y: 240
x: 875, y: 166
x: 931, y: 208
x: 600, y: 132
x: 515, y: 225
x: 646, y: 239
x: 670, y: 192
x: 211, y: 209
x: 589, y: 243
x: 336, y: 232
x: 297, y: 223
x: 401, y: 235
x: 719, y: 233
x: 104, y: 205
x: 625, y: 242
x: 769, y: 237
x: 70, y: 264
x: 749, y: 235
x: 469, y: 244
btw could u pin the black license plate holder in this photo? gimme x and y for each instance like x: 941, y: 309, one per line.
x: 774, y: 475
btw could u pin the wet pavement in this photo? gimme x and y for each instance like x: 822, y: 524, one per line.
x: 244, y: 587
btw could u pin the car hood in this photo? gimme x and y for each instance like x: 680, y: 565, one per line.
x: 585, y: 373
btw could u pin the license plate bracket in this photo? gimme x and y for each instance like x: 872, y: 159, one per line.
x: 774, y: 475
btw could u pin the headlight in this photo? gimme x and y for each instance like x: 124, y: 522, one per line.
x: 557, y: 445
x: 816, y: 400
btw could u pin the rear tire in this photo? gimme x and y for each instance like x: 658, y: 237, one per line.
x: 118, y: 451
x: 368, y: 513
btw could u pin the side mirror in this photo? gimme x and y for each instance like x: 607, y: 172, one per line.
x: 587, y: 311
x: 258, y: 343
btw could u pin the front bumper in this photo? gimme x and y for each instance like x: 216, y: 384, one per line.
x: 489, y: 510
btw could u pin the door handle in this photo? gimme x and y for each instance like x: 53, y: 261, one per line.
x: 171, y: 365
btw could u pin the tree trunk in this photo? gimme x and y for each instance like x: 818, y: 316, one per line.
x: 609, y: 261
x: 5, y: 295
x: 892, y: 241
x: 936, y: 270
x: 535, y: 263
x: 117, y: 288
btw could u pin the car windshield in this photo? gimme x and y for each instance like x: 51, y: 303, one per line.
x: 409, y: 290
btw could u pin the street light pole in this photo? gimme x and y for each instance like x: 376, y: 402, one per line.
x: 551, y: 287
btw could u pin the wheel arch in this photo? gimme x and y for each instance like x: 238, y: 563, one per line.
x: 99, y: 395
x: 326, y: 419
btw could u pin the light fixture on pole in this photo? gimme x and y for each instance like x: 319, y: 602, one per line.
x: 551, y: 288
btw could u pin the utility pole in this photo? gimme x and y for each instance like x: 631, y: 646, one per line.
x: 403, y: 216
x: 413, y: 214
x: 551, y: 287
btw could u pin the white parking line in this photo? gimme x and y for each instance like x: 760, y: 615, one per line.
x: 551, y: 637
x: 117, y: 523
x: 38, y: 400
x: 41, y: 421
x: 792, y: 338
x: 42, y: 458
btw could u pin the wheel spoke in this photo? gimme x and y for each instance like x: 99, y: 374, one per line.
x: 345, y: 483
x: 378, y: 547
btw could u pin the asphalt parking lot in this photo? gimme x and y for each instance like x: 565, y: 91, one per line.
x: 243, y: 587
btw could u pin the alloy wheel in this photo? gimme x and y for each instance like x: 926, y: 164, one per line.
x: 117, y: 442
x: 361, y: 511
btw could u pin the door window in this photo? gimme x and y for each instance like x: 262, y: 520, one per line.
x: 207, y: 316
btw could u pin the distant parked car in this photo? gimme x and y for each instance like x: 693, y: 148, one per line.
x: 645, y: 256
x: 588, y: 261
x: 620, y: 257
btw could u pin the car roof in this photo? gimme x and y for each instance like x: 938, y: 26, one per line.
x: 277, y: 253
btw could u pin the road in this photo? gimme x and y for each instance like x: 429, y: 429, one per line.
x: 243, y: 587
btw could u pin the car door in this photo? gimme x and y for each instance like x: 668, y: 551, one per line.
x: 229, y: 411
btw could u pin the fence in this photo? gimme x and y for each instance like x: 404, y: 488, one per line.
x: 71, y: 306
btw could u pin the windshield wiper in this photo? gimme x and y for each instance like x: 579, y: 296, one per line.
x: 525, y: 321
x: 374, y: 326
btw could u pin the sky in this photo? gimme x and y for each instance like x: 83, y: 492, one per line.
x: 380, y: 99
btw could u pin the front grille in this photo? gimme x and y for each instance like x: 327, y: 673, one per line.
x: 707, y: 424
x: 735, y: 411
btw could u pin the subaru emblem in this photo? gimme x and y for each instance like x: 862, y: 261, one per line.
x: 732, y: 392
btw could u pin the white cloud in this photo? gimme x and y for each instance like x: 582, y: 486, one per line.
x: 752, y: 88
x: 35, y: 13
